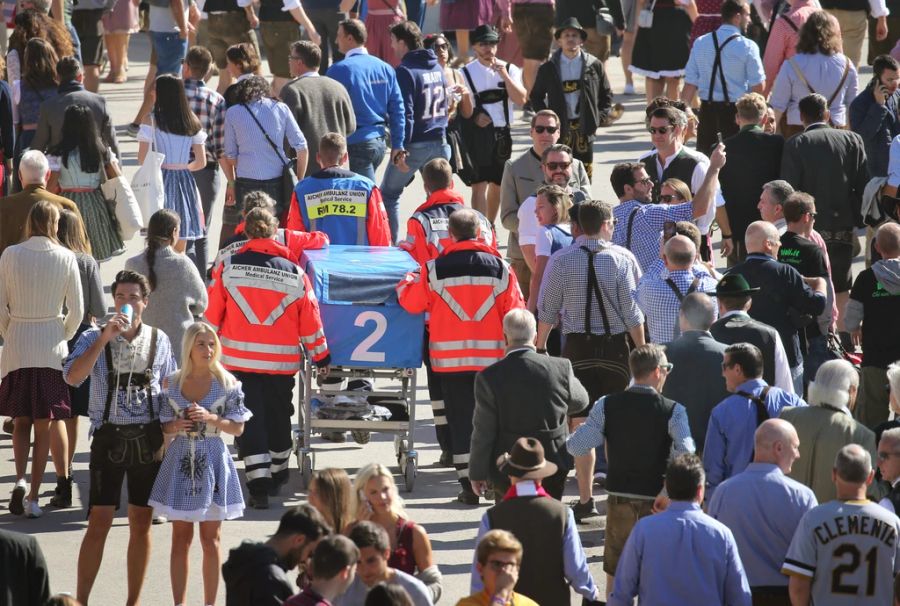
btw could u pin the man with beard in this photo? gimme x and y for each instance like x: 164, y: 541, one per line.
x: 256, y: 573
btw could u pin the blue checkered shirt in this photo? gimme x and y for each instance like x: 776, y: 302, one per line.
x: 741, y: 65
x: 130, y: 406
x: 646, y: 230
x: 564, y: 288
x: 660, y: 304
x: 209, y: 107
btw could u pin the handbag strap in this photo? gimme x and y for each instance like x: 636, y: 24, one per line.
x: 841, y: 83
x: 266, y: 135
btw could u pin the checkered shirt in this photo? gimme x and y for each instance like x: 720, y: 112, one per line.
x: 661, y: 306
x: 646, y: 230
x: 209, y: 106
x: 564, y: 289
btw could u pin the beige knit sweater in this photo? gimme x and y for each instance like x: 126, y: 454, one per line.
x: 37, y: 277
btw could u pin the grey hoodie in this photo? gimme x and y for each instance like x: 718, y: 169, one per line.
x: 887, y: 271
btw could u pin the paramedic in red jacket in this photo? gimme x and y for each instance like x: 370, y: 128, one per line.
x: 263, y: 308
x: 467, y: 290
x: 427, y: 234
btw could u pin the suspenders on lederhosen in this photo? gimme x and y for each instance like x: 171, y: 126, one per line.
x: 692, y: 288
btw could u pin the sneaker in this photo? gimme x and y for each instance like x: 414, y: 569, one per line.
x: 467, y: 497
x: 583, y: 510
x: 159, y: 519
x: 446, y: 459
x: 16, y: 501
x: 258, y: 501
x: 31, y: 508
x: 132, y: 129
x: 614, y: 114
x: 600, y: 479
x: 629, y: 89
x: 8, y: 425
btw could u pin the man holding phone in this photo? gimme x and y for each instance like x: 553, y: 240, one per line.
x: 873, y: 114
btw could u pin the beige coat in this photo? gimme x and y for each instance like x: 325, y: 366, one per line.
x: 823, y: 431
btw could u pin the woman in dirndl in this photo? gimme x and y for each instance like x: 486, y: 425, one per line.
x: 78, y: 165
x: 197, y: 481
x: 661, y: 51
x: 176, y: 132
x: 41, y: 307
x: 708, y: 20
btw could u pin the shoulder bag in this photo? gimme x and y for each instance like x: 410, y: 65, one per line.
x: 288, y: 178
x: 122, y: 203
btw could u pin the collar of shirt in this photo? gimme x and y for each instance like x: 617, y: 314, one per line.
x: 798, y: 4
x: 663, y: 167
x: 760, y: 256
x: 735, y: 312
x: 842, y: 409
x: 751, y: 127
x: 688, y: 274
x: 725, y: 30
x: 751, y: 385
x: 644, y: 388
x: 781, y: 225
x: 525, y: 488
x: 763, y: 468
x: 590, y: 242
x: 312, y: 74
x: 815, y: 125
x: 243, y: 77
x: 523, y: 348
x: 681, y: 506
x: 360, y: 50
x: 192, y: 82
x: 567, y: 61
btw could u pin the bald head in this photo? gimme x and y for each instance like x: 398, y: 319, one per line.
x: 776, y: 442
x: 680, y: 252
x: 887, y: 240
x: 852, y: 468
x: 464, y: 225
x: 761, y: 237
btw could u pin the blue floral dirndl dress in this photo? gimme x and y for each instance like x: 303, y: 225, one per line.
x: 198, y: 481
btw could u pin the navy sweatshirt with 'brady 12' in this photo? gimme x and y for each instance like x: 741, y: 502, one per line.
x: 424, y: 91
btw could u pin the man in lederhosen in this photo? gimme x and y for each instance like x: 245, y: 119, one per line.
x: 587, y: 289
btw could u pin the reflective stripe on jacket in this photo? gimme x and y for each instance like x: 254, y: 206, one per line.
x: 263, y: 308
x: 467, y: 290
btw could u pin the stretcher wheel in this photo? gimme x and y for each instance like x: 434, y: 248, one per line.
x: 306, y: 469
x: 402, y: 448
x: 409, y: 473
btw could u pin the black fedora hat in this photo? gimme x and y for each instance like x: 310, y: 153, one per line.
x: 526, y: 461
x: 734, y: 285
x: 570, y: 23
x: 484, y: 33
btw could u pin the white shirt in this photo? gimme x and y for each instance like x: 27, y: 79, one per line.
x: 697, y: 178
x: 485, y: 79
x: 886, y: 502
x: 528, y: 223
x: 783, y: 380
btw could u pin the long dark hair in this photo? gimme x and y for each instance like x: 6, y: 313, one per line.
x: 820, y: 34
x: 159, y: 235
x: 171, y: 110
x: 39, y: 65
x: 79, y: 133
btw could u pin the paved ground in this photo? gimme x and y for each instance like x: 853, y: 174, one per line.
x: 451, y: 526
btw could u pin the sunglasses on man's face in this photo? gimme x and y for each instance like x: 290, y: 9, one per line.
x: 661, y: 130
x: 558, y: 165
x: 541, y: 129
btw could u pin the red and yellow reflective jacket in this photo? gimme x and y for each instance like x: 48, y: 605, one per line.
x: 428, y: 232
x: 467, y: 290
x: 295, y: 241
x: 263, y: 308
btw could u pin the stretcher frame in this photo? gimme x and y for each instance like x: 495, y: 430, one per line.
x: 404, y: 431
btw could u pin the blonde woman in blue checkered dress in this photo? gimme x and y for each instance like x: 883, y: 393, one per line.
x: 197, y: 481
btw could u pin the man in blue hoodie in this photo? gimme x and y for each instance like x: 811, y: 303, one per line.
x: 424, y: 90
x: 374, y: 93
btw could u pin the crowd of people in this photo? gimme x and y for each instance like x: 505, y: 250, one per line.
x: 738, y: 422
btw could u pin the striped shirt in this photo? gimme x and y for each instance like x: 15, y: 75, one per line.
x: 564, y: 289
x: 244, y: 142
x: 209, y: 106
x: 660, y: 304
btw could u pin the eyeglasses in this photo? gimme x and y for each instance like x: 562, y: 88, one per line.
x: 727, y: 365
x: 812, y: 215
x: 645, y: 181
x: 541, y: 129
x: 667, y: 367
x: 558, y: 165
x: 661, y: 130
x: 667, y: 198
x: 497, y: 565
x: 884, y: 456
x: 441, y: 46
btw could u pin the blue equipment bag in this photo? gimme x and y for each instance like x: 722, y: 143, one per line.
x: 364, y: 324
